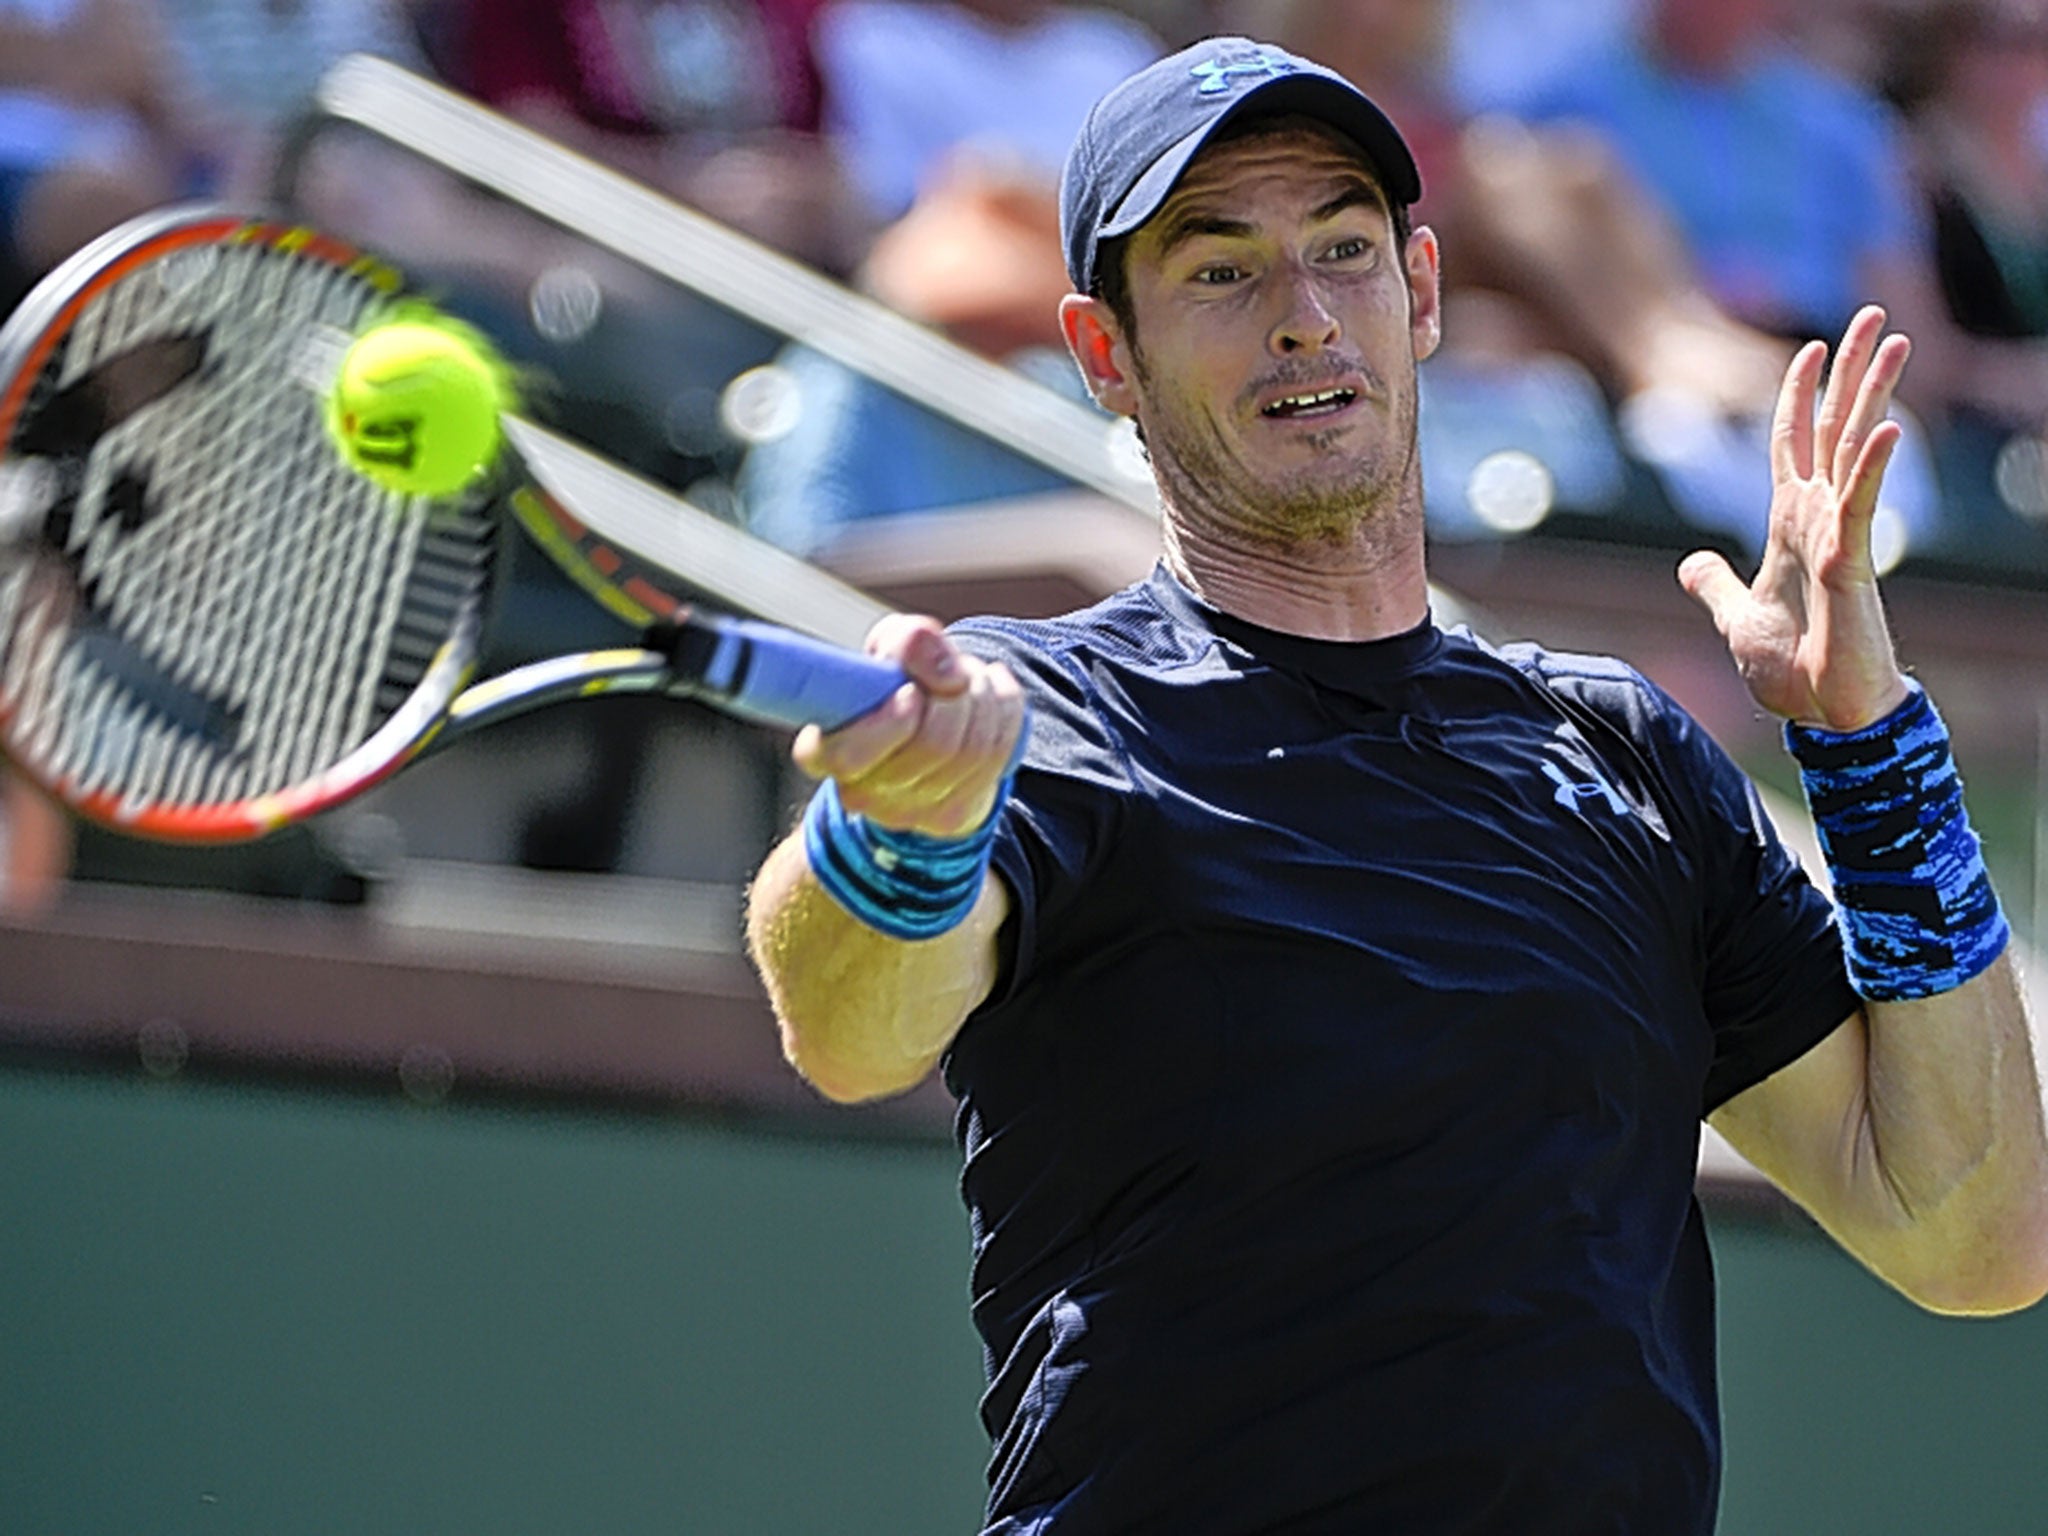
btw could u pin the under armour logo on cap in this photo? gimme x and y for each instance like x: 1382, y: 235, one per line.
x: 1214, y: 75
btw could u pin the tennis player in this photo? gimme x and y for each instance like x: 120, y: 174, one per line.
x: 1333, y: 1039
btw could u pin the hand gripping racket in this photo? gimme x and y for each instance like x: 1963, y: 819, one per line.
x: 209, y: 626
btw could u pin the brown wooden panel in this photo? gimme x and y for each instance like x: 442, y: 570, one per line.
x: 256, y: 983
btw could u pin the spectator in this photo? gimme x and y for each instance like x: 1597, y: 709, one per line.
x: 247, y: 68
x: 1977, y: 120
x: 912, y: 84
x: 1789, y: 188
x: 715, y: 102
x: 1786, y: 183
x: 1974, y: 78
x: 87, y: 137
x: 954, y: 119
x: 1501, y: 53
x: 1853, y: 39
x: 978, y: 256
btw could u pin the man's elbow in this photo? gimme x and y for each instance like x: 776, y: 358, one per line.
x: 843, y: 1087
x: 1989, y: 1295
x: 846, y: 1081
x: 2002, y: 1271
x: 2016, y: 1283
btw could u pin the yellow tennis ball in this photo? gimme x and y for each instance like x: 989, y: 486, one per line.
x: 415, y: 405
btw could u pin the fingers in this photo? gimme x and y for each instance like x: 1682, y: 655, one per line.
x: 1848, y: 440
x: 919, y: 644
x: 1866, y: 476
x: 1792, y: 421
x: 1859, y: 395
x: 931, y: 757
x: 855, y: 748
x: 1873, y: 405
x: 1713, y: 583
x: 941, y: 776
x: 1845, y: 379
x: 1860, y: 385
x: 937, y: 670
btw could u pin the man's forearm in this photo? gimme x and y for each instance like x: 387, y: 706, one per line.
x: 1954, y: 1127
x: 863, y: 1015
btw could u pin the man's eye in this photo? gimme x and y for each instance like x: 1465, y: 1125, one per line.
x: 1219, y: 274
x: 1350, y: 250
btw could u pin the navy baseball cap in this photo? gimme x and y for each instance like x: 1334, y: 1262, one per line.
x: 1141, y: 136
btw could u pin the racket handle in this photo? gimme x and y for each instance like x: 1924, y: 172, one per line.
x: 764, y: 672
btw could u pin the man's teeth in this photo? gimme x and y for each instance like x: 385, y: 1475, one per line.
x: 1321, y: 400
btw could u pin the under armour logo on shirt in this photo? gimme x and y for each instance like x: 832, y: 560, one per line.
x: 1571, y: 793
x: 1215, y: 74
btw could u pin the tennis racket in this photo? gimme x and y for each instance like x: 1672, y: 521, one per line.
x: 209, y: 626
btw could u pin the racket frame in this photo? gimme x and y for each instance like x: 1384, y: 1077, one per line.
x: 682, y: 654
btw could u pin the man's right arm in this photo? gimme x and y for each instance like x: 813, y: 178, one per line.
x: 864, y: 1014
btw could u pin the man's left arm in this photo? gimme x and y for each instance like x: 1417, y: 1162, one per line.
x: 1914, y: 1132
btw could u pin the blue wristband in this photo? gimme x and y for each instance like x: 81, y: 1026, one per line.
x: 905, y: 884
x: 1913, y: 899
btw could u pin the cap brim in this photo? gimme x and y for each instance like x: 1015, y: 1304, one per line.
x: 1326, y: 100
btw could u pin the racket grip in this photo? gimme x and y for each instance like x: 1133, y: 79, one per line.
x: 764, y: 672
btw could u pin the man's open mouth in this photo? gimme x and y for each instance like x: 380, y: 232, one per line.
x: 1317, y: 402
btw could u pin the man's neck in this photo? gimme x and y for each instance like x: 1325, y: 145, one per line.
x: 1363, y: 590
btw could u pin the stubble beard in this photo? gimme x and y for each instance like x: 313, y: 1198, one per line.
x: 1355, y: 495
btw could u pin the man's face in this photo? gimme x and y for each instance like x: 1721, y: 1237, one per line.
x: 1277, y: 333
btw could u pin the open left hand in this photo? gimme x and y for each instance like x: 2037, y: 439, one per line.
x: 1809, y: 634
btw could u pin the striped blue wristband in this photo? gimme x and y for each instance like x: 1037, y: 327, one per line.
x: 905, y: 884
x: 1912, y: 897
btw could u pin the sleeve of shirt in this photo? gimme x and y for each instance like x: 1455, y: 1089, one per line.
x: 1774, y: 984
x: 1061, y: 818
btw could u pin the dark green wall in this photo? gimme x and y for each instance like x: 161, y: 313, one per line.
x: 234, y: 1311
x: 1850, y: 1410
x: 227, y: 1309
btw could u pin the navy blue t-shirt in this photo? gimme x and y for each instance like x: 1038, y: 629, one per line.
x: 1330, y: 1134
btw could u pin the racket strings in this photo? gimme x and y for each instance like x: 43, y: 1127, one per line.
x: 187, y: 594
x: 222, y: 610
x: 452, y: 567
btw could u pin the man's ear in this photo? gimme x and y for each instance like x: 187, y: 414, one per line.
x: 1100, y: 352
x: 1425, y: 290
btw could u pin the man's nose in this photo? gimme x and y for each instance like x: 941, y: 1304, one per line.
x: 1308, y: 322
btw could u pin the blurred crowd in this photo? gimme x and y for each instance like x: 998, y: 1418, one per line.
x: 1645, y: 206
